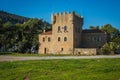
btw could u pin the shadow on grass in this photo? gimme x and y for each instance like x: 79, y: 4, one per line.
x: 29, y: 54
x: 5, y: 53
x: 17, y: 54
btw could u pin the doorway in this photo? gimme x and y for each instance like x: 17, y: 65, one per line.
x: 45, y: 50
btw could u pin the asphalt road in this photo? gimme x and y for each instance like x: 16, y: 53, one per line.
x: 20, y: 58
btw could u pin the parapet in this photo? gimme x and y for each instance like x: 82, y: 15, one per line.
x: 60, y: 17
x: 67, y: 13
x: 64, y: 13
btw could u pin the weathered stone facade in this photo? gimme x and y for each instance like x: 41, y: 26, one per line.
x: 93, y: 38
x: 66, y: 35
x: 85, y: 51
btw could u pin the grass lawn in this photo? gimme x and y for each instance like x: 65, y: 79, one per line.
x: 28, y: 54
x: 73, y: 69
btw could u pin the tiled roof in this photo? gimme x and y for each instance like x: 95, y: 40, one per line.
x: 92, y: 31
x: 47, y: 33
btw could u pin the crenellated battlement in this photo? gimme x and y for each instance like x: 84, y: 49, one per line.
x: 66, y: 14
x: 61, y: 13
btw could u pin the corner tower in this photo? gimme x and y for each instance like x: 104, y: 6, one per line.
x: 65, y: 35
x: 66, y: 32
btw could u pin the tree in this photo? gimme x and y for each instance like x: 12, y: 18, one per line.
x: 94, y: 27
x: 109, y: 48
x: 1, y: 26
x: 114, y: 43
x: 29, y: 33
x: 1, y: 22
x: 24, y: 36
x: 110, y: 30
x: 7, y: 25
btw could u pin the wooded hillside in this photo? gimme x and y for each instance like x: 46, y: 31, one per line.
x: 20, y: 34
x: 5, y: 16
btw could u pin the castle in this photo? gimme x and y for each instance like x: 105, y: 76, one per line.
x: 67, y: 36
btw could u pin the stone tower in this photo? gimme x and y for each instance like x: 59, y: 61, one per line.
x: 65, y: 35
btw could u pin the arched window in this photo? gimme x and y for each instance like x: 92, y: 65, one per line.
x: 48, y: 39
x: 43, y: 39
x: 65, y: 38
x: 65, y: 28
x: 58, y: 28
x: 58, y: 38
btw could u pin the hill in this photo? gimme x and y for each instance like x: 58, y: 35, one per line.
x: 13, y: 18
x: 20, y: 34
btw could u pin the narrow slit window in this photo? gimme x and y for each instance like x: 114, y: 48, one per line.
x: 65, y: 28
x: 49, y: 39
x: 58, y: 28
x: 43, y: 39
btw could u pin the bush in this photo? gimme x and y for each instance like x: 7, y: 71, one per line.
x: 109, y: 48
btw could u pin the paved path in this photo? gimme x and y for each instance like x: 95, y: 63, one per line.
x: 19, y: 58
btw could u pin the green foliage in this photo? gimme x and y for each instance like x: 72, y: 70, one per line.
x: 94, y: 27
x: 116, y: 39
x: 1, y: 22
x: 110, y: 29
x: 83, y: 69
x: 7, y: 25
x: 5, y: 16
x: 109, y: 48
x: 114, y: 44
x: 20, y: 37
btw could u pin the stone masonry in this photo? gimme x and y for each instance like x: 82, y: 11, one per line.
x: 66, y: 35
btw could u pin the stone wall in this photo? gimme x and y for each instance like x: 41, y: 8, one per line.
x: 61, y: 20
x: 93, y: 40
x: 85, y: 51
x: 77, y: 23
x: 66, y: 34
x: 45, y: 45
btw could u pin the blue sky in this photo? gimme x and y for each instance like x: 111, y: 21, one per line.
x: 95, y: 12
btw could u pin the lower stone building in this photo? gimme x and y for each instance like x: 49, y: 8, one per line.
x: 67, y: 36
x: 93, y: 38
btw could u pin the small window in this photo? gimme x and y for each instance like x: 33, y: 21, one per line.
x: 98, y: 39
x: 58, y: 28
x: 58, y: 38
x: 43, y: 39
x: 79, y: 53
x: 94, y: 38
x: 65, y: 28
x: 65, y: 38
x: 49, y: 39
x: 61, y: 49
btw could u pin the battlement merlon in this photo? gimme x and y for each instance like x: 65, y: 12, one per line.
x: 67, y: 13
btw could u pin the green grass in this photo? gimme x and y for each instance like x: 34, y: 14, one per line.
x: 17, y: 54
x: 28, y: 54
x: 73, y: 69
